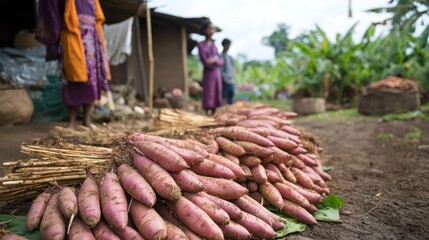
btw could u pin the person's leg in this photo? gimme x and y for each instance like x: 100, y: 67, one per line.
x: 87, y: 114
x: 72, y: 116
x: 232, y: 92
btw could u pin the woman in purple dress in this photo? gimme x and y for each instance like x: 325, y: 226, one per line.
x: 212, y: 80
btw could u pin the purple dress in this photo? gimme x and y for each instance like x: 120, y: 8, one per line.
x: 212, y: 80
x: 77, y: 93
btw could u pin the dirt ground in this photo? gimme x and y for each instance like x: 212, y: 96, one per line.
x: 384, y: 182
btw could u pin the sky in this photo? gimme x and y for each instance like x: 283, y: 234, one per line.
x: 246, y: 22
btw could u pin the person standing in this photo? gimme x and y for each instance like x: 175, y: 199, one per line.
x: 72, y: 33
x: 212, y: 81
x: 227, y: 72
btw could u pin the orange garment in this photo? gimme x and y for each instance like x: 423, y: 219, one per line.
x: 74, y: 55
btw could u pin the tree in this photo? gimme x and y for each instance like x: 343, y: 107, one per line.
x: 278, y: 39
x: 405, y: 12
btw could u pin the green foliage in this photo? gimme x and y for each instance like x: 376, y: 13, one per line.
x: 16, y: 224
x: 413, y: 136
x: 385, y: 136
x: 329, y: 209
x: 195, y: 68
x: 405, y: 12
x: 291, y: 226
x: 405, y: 116
x: 278, y: 39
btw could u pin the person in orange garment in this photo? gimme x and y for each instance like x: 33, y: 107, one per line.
x: 72, y: 33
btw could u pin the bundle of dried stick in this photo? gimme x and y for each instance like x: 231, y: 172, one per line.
x: 62, y: 163
x: 182, y: 118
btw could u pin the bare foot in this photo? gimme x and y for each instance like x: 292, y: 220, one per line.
x: 71, y: 125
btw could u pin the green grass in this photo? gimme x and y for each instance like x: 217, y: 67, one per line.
x: 413, y: 136
x: 385, y: 136
x: 284, y: 105
x: 342, y: 114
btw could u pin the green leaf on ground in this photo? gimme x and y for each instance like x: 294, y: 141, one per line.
x: 16, y: 224
x: 329, y: 209
x: 326, y: 168
x: 291, y: 226
x: 328, y: 215
x: 333, y: 201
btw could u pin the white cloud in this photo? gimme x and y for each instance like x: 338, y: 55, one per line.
x: 246, y: 22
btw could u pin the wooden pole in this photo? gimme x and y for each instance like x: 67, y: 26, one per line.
x: 150, y: 53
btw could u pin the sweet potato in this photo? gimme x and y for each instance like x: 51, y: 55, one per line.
x: 273, y: 177
x: 128, y: 233
x: 250, y: 161
x: 267, y: 160
x: 68, y: 202
x: 259, y: 174
x: 166, y: 214
x: 288, y: 175
x: 257, y: 196
x: 266, y: 211
x: 234, y: 230
x: 298, y: 150
x: 52, y: 225
x: 322, y: 173
x: 252, y: 186
x: 230, y: 147
x: 243, y: 135
x: 281, y: 156
x: 217, y: 214
x: 264, y: 111
x: 271, y: 194
x: 36, y: 211
x: 102, y: 231
x: 297, y: 212
x: 255, y: 149
x: 148, y: 222
x: 135, y: 185
x: 317, y: 179
x: 195, y: 142
x: 231, y: 157
x: 6, y: 235
x: 311, y: 196
x: 195, y: 219
x: 288, y: 114
x: 223, y: 188
x: 282, y: 143
x: 275, y: 119
x: 235, y: 168
x: 137, y: 137
x: 233, y: 211
x: 174, y: 233
x: 256, y: 123
x: 160, y: 180
x: 114, y: 205
x: 307, y: 160
x: 297, y: 163
x: 293, y: 138
x: 212, y: 145
x: 187, y: 145
x: 79, y: 230
x: 291, y: 194
x: 245, y: 205
x: 260, y: 131
x: 167, y: 158
x: 213, y: 169
x: 191, y: 157
x: 312, y: 208
x: 291, y: 130
x: 89, y: 201
x: 275, y: 169
x: 302, y: 178
x: 187, y: 182
x: 257, y: 227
